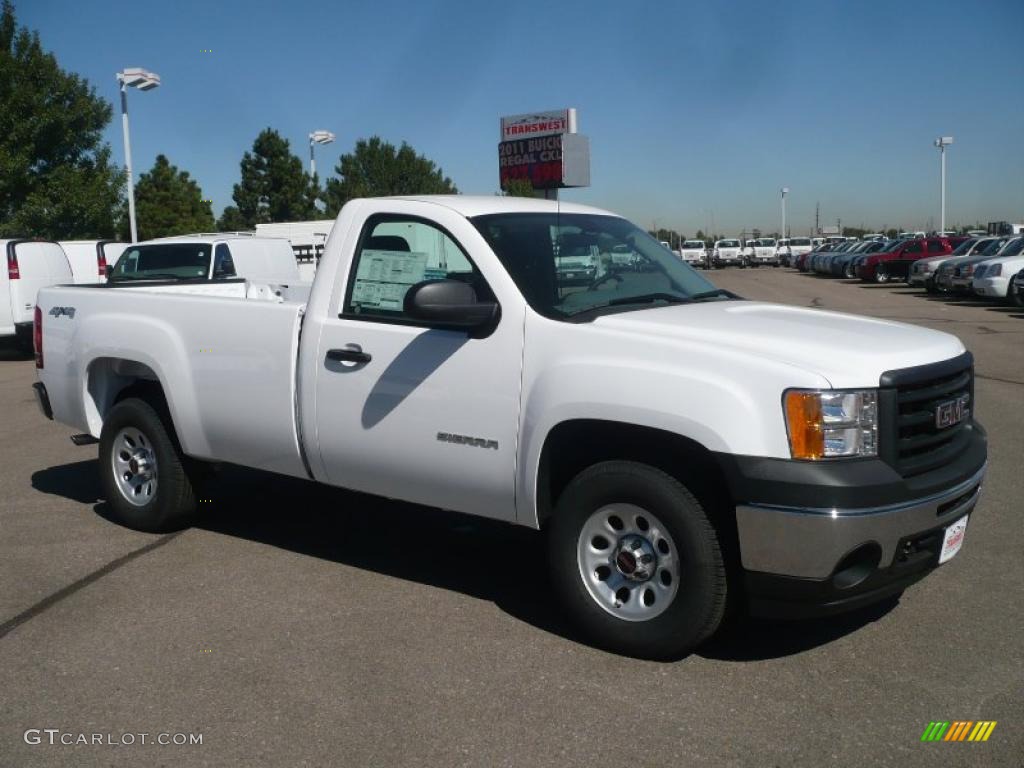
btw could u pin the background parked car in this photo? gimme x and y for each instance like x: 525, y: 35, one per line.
x: 727, y: 253
x: 922, y: 272
x: 694, y: 252
x: 842, y: 264
x: 264, y: 259
x: 948, y: 269
x: 962, y: 277
x: 992, y: 278
x: 31, y: 265
x: 803, y: 261
x: 895, y: 262
x: 761, y: 251
x: 795, y: 247
x: 89, y: 258
x: 821, y: 260
x: 1016, y: 296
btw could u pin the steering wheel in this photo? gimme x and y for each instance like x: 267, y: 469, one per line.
x: 604, y: 279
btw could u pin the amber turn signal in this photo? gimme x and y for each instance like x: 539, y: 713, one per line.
x: 804, y: 425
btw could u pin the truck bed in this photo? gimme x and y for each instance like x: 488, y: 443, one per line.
x: 226, y: 362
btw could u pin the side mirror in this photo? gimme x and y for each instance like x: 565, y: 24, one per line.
x: 449, y: 302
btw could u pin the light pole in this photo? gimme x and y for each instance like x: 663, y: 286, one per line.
x: 942, y: 142
x: 785, y: 191
x: 317, y: 137
x: 133, y: 77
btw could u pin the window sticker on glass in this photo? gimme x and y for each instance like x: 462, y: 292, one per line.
x: 384, y: 277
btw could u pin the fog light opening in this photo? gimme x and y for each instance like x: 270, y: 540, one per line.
x: 857, y: 566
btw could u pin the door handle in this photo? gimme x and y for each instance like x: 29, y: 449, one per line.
x: 348, y: 355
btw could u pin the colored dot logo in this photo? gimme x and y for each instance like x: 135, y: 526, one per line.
x: 206, y: 50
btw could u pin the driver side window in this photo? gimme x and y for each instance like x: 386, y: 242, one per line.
x: 395, y: 253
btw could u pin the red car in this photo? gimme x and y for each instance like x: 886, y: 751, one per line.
x: 894, y: 264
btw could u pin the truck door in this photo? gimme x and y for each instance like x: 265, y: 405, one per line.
x: 416, y: 412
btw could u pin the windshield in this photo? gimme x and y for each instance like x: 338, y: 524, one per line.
x: 800, y: 241
x: 766, y: 242
x: 691, y: 244
x: 1013, y: 248
x: 525, y: 244
x: 964, y: 248
x: 167, y: 260
x: 728, y: 244
x: 992, y: 248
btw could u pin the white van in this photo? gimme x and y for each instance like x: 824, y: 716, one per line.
x: 31, y: 265
x: 89, y: 258
x: 213, y: 257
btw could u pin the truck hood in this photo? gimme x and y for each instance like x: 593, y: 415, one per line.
x: 847, y: 350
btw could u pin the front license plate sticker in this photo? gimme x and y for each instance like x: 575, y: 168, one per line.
x: 953, y: 539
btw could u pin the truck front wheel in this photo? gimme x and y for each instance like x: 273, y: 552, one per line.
x: 636, y: 562
x: 143, y: 471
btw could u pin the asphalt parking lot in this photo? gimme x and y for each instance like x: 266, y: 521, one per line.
x: 305, y: 626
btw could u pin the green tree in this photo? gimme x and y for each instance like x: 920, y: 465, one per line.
x: 376, y: 168
x: 231, y: 220
x: 518, y: 188
x: 56, y: 179
x: 274, y: 185
x: 169, y: 202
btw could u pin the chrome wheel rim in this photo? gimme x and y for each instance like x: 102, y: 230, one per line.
x: 134, y: 463
x: 628, y: 562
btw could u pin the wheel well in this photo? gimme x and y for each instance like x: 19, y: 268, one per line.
x: 112, y: 380
x: 573, y: 446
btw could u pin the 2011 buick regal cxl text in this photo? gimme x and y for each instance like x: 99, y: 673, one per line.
x: 680, y: 447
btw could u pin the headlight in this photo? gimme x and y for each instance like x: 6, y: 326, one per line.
x: 994, y: 270
x: 828, y: 423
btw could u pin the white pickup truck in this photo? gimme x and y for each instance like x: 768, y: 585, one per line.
x: 681, y: 448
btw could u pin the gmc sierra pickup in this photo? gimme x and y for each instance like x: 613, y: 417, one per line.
x: 680, y: 447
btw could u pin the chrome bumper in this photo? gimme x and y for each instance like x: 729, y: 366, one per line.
x: 809, y: 542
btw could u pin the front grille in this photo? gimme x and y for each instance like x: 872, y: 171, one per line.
x: 911, y: 440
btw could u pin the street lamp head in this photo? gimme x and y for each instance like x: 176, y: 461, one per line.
x: 136, y: 77
x: 785, y: 191
x: 943, y: 141
x: 321, y: 137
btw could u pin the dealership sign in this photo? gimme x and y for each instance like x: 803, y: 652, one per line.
x: 538, y: 124
x: 544, y: 149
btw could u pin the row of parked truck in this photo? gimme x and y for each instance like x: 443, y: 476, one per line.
x: 748, y: 252
x: 989, y: 266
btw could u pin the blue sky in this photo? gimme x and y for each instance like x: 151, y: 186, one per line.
x: 694, y: 110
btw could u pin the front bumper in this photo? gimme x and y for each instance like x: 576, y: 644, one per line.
x: 919, y: 278
x: 579, y: 276
x: 819, y: 538
x: 992, y: 287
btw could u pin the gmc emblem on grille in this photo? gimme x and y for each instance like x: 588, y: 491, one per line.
x: 951, y: 412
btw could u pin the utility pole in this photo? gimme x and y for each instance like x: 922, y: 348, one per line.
x: 942, y: 142
x: 817, y: 223
x: 784, y: 191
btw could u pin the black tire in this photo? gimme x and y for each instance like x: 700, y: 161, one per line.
x: 1014, y: 298
x: 929, y: 285
x: 173, y: 505
x: 23, y: 341
x: 698, y: 606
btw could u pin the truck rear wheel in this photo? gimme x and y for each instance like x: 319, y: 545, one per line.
x: 636, y: 562
x: 143, y: 471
